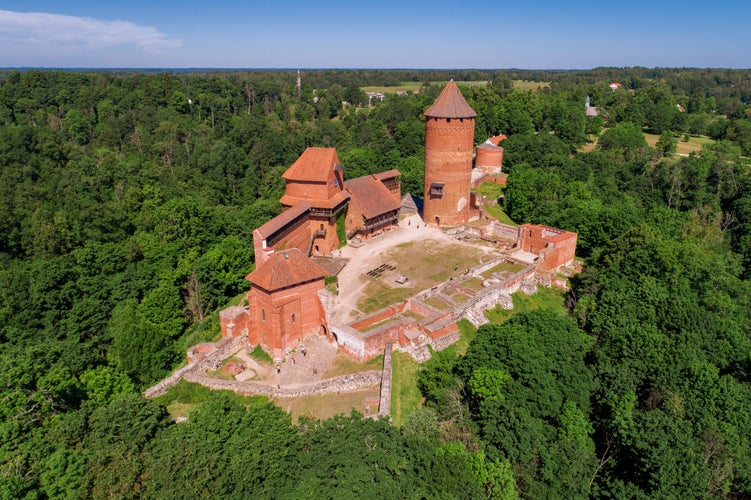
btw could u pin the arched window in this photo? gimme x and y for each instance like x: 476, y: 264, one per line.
x: 263, y: 314
x: 293, y: 318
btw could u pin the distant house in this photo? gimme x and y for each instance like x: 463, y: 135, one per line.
x: 378, y: 96
x: 591, y: 111
x: 615, y: 86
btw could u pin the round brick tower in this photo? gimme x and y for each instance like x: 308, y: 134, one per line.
x: 449, y: 138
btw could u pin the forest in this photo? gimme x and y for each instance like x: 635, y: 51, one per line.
x: 127, y: 203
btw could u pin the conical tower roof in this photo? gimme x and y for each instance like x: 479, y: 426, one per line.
x: 450, y: 104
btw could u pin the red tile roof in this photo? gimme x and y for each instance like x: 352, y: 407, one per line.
x: 284, y: 269
x: 282, y: 220
x: 372, y: 196
x: 450, y: 104
x: 496, y: 139
x: 328, y: 204
x: 313, y: 165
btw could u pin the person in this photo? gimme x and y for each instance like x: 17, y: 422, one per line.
x: 303, y: 350
x: 293, y: 361
x: 278, y: 368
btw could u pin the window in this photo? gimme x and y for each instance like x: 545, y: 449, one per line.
x: 436, y: 188
x: 336, y: 182
x: 263, y: 314
x: 293, y: 318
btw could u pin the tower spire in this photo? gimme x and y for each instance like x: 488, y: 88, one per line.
x: 298, y: 87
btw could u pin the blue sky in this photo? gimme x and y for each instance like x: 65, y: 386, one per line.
x: 384, y: 34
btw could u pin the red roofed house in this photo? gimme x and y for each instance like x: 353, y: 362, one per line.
x: 555, y: 247
x: 283, y: 302
x: 317, y: 177
x: 373, y: 207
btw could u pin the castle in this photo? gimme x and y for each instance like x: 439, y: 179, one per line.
x: 287, y: 301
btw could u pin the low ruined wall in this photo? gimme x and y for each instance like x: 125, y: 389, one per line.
x: 345, y: 383
x: 384, y: 405
x: 499, y: 230
x: 210, y: 361
x: 377, y: 317
x: 349, y: 340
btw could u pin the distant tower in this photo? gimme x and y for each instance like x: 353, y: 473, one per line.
x: 298, y: 87
x: 449, y: 138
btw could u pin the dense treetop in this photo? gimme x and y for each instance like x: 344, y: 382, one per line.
x: 128, y: 200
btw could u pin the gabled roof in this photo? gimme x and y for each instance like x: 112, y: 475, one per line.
x: 388, y: 174
x: 450, y: 104
x: 313, y: 165
x: 282, y: 220
x: 372, y: 196
x: 284, y: 269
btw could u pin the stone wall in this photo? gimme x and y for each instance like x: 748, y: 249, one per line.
x: 344, y: 383
x: 210, y: 361
x: 384, y: 405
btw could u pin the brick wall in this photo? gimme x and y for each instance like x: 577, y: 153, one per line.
x: 448, y: 159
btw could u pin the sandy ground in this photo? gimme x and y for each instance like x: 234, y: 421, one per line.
x: 372, y: 254
x: 296, y: 369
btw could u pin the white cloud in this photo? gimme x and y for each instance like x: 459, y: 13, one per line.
x: 62, y: 33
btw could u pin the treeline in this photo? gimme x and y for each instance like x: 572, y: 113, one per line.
x: 128, y: 201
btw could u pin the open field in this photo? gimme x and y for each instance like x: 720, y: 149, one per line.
x: 414, y: 87
x: 527, y: 85
x: 694, y: 144
x: 496, y: 211
x: 425, y: 262
x: 405, y: 87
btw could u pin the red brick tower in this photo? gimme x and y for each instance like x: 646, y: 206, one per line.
x: 449, y: 139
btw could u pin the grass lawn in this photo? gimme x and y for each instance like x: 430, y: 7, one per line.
x: 509, y: 267
x: 496, y: 211
x: 405, y: 395
x: 468, y: 332
x: 378, y: 295
x: 261, y: 356
x: 344, y: 365
x: 327, y: 405
x: 425, y: 262
x: 694, y: 144
x: 549, y: 299
x: 490, y: 190
x: 436, y: 302
x: 474, y: 284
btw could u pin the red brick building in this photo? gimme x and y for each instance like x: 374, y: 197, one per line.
x: 449, y: 142
x: 373, y: 207
x: 283, y: 302
x: 317, y: 177
x: 555, y: 247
